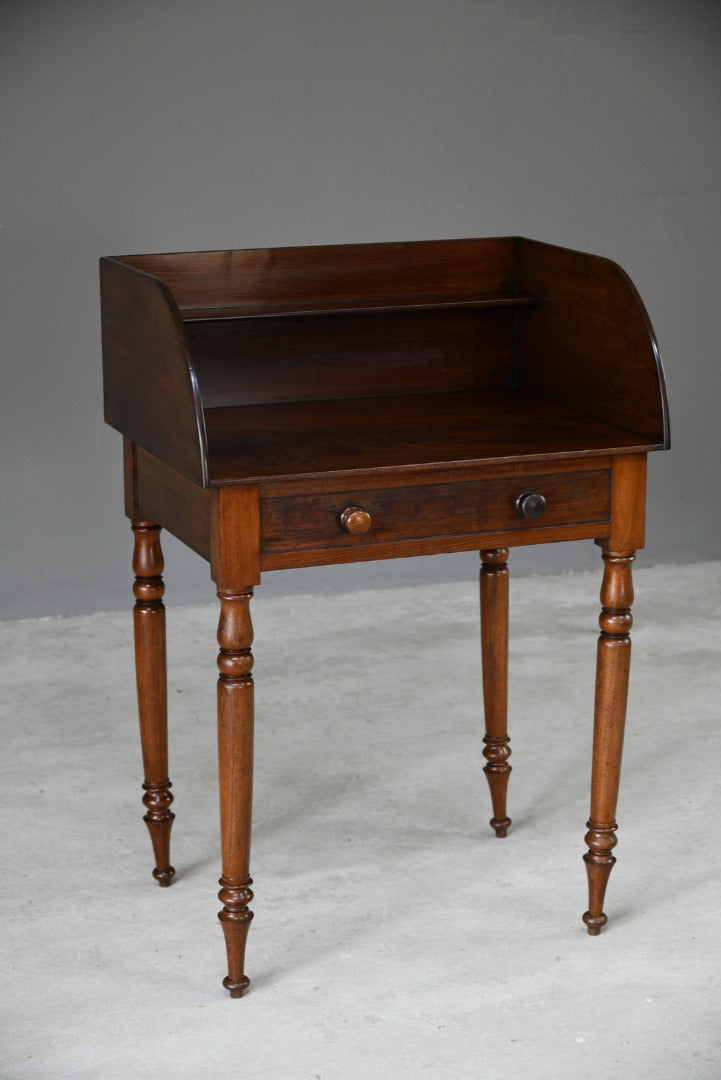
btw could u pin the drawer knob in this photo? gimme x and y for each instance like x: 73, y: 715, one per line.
x: 530, y: 505
x: 355, y: 520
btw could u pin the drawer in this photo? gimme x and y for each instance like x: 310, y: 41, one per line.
x: 352, y: 519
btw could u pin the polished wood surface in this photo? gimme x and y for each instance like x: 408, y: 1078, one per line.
x: 596, y: 304
x: 150, y: 669
x: 300, y: 524
x: 494, y: 650
x: 187, y: 334
x: 612, y: 673
x: 150, y: 387
x: 268, y: 279
x: 354, y: 435
x: 235, y: 764
x: 425, y: 349
x: 298, y: 406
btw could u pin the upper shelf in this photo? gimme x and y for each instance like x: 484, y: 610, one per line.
x: 207, y: 312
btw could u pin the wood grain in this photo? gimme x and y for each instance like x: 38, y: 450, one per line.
x: 612, y: 676
x: 149, y: 384
x: 590, y: 344
x: 298, y: 523
x: 313, y: 438
x: 291, y: 358
x: 235, y: 763
x: 151, y: 677
x: 339, y: 273
x: 494, y: 651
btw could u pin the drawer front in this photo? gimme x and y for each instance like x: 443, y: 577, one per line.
x: 395, y: 514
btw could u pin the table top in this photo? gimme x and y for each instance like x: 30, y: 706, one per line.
x: 396, y: 432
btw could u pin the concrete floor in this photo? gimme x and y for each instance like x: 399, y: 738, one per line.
x: 394, y: 936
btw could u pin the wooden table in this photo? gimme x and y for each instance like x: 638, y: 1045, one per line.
x: 300, y: 406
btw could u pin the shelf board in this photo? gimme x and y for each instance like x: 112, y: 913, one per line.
x: 400, y: 431
x: 357, y: 305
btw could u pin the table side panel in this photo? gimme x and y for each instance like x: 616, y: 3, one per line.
x: 183, y: 508
x: 590, y: 344
x: 221, y: 525
x: 149, y: 385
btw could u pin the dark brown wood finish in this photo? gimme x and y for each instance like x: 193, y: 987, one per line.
x: 312, y: 439
x: 296, y: 524
x: 591, y: 324
x: 345, y: 275
x: 300, y: 406
x: 255, y: 361
x: 150, y: 386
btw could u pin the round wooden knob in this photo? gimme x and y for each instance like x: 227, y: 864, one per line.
x: 355, y: 520
x: 530, y: 505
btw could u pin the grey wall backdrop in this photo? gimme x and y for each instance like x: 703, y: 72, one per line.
x: 155, y: 126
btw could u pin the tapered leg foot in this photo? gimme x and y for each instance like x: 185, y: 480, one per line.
x: 599, y: 864
x: 159, y: 820
x: 235, y: 757
x: 494, y: 650
x: 150, y: 669
x: 612, y: 673
x: 235, y: 918
x: 497, y: 752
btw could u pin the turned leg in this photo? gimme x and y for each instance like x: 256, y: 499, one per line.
x: 235, y: 755
x: 494, y: 649
x: 150, y: 670
x: 612, y: 671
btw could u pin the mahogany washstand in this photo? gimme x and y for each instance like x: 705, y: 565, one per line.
x: 299, y: 406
